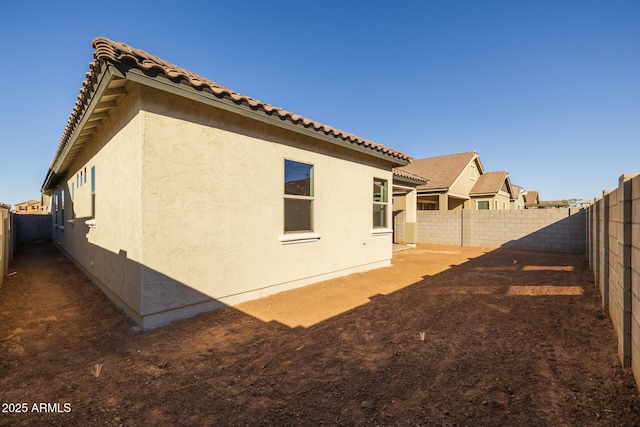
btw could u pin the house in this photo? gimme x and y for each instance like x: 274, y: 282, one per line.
x: 553, y: 204
x: 29, y: 207
x: 405, y: 200
x: 451, y: 178
x: 492, y: 191
x: 532, y: 200
x: 518, y: 200
x: 177, y: 195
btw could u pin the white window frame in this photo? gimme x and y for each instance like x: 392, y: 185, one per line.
x: 384, y: 202
x: 299, y: 236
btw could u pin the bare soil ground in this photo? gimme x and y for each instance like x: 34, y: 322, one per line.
x: 510, y: 338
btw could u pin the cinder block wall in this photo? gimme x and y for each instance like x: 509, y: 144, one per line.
x: 32, y: 227
x: 613, y: 226
x: 548, y: 229
x: 440, y: 227
x: 634, y: 272
x: 5, y: 241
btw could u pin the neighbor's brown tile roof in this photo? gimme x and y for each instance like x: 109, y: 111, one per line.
x: 442, y: 171
x: 121, y: 53
x: 408, y: 175
x: 489, y: 183
x: 28, y: 202
x: 531, y: 197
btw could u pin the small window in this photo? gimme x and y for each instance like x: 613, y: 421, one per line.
x: 426, y: 206
x: 298, y: 197
x: 483, y: 205
x: 495, y: 204
x: 473, y: 172
x: 93, y: 192
x: 85, y: 175
x: 504, y: 205
x: 380, y: 203
x: 62, y: 207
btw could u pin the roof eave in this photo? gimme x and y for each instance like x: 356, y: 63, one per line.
x: 162, y: 83
x: 105, y: 76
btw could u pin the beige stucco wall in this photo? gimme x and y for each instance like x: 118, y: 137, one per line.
x: 213, y: 205
x: 111, y: 251
x: 503, y: 200
x: 464, y: 183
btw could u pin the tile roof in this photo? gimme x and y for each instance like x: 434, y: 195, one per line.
x: 489, y: 183
x: 532, y: 197
x: 401, y: 173
x: 441, y: 171
x: 108, y: 51
x: 554, y: 203
x: 517, y: 190
x: 28, y: 202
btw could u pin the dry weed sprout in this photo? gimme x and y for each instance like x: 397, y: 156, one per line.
x: 422, y: 334
x: 96, y: 369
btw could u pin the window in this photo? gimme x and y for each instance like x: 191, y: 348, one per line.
x: 495, y: 204
x: 473, y: 172
x: 55, y: 209
x: 380, y: 202
x: 504, y: 205
x: 62, y: 207
x: 93, y: 192
x: 298, y: 197
x: 85, y: 175
x: 426, y: 206
x: 483, y: 205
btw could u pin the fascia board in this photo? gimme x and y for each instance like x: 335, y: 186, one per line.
x: 457, y: 196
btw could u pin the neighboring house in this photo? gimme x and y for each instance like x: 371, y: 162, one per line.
x: 451, y: 178
x: 532, y: 200
x: 177, y: 195
x: 553, y: 204
x: 492, y: 191
x: 405, y: 200
x: 518, y: 201
x: 29, y: 207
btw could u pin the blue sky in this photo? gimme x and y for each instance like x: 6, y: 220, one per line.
x: 548, y: 90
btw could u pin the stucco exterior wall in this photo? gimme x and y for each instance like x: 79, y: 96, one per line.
x: 463, y: 185
x: 110, y: 253
x: 213, y: 205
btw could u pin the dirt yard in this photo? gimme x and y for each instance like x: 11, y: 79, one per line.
x: 447, y: 337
